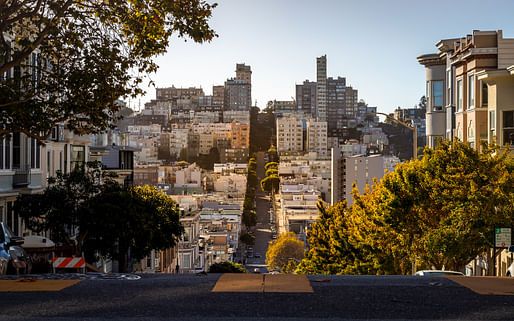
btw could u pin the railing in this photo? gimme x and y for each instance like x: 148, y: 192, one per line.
x: 21, y: 176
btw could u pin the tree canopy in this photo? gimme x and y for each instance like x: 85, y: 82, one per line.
x: 284, y: 253
x: 439, y: 211
x: 100, y: 217
x: 69, y: 61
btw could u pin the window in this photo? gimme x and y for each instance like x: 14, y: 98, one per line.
x: 459, y: 95
x: 78, y: 156
x: 508, y: 127
x: 35, y: 154
x: 485, y: 95
x: 437, y: 93
x: 5, y: 153
x: 471, y: 91
x: 16, y: 151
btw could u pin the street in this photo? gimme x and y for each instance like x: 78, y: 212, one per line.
x: 262, y: 229
x: 189, y: 297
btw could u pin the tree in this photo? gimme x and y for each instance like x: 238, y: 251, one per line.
x: 106, y: 218
x: 227, y: 267
x: 272, y: 171
x: 271, y: 165
x: 284, y: 253
x: 273, y: 155
x: 330, y: 244
x: 439, y: 211
x: 270, y: 183
x: 61, y: 208
x: 249, y: 218
x: 70, y: 61
x: 247, y: 238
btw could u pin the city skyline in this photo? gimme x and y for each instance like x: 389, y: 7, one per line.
x: 359, y: 42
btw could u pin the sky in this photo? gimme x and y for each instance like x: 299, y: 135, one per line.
x: 372, y: 43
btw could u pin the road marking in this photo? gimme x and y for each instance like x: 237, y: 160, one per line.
x: 287, y: 283
x: 263, y: 283
x: 239, y: 282
x: 489, y: 285
x: 36, y: 285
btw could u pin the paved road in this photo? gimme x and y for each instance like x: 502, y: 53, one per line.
x: 262, y: 230
x: 189, y: 297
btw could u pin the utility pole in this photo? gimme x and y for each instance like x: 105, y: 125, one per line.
x: 413, y: 128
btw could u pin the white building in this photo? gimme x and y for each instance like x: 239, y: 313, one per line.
x: 317, y: 137
x: 289, y: 134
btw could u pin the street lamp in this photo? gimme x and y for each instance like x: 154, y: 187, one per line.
x: 413, y: 128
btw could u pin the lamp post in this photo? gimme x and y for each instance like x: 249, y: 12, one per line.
x: 413, y: 128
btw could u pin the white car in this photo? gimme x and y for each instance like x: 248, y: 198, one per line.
x: 437, y: 273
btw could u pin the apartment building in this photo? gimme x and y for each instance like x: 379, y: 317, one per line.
x: 500, y: 103
x: 457, y: 101
x: 244, y: 73
x: 178, y: 93
x: 240, y: 135
x: 189, y: 254
x: 306, y: 98
x: 321, y: 88
x: 317, y: 137
x: 358, y: 169
x: 240, y: 116
x: 289, y: 134
x: 238, y: 95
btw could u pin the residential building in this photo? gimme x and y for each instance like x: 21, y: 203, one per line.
x: 321, y: 88
x: 500, y: 104
x: 146, y: 175
x: 289, y: 134
x: 317, y: 137
x: 358, y: 169
x: 178, y: 93
x: 281, y: 107
x: 190, y: 256
x: 218, y: 97
x: 306, y: 98
x: 238, y: 95
x: 457, y: 102
x: 244, y: 73
x: 234, y: 155
x: 240, y: 116
x: 240, y: 135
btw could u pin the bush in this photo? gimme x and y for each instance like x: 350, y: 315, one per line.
x: 227, y: 267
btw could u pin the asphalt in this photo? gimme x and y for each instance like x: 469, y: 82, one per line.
x: 190, y: 297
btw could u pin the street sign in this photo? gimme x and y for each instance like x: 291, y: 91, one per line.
x: 502, y: 237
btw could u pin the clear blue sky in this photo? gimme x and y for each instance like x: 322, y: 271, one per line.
x: 373, y: 43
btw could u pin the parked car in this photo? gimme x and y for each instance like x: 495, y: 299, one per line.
x: 12, y: 255
x: 437, y: 272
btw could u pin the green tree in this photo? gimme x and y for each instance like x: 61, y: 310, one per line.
x: 227, y: 267
x: 284, y: 253
x: 69, y: 60
x: 270, y: 183
x: 271, y: 165
x: 106, y: 218
x: 62, y: 207
x: 249, y: 218
x: 272, y: 171
x: 272, y: 153
x: 439, y: 211
x: 247, y: 238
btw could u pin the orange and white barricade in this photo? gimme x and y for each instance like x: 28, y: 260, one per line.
x: 69, y: 263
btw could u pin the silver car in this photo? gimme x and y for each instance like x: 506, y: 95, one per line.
x: 13, y: 257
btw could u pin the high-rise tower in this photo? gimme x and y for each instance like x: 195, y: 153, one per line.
x: 321, y: 88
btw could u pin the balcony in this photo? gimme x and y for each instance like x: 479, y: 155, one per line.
x: 21, y: 177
